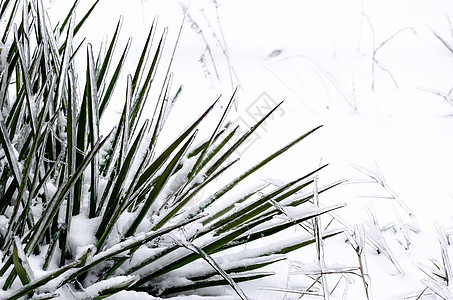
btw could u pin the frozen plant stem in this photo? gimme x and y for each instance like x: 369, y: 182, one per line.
x: 375, y: 62
x: 319, y: 240
x: 357, y: 242
x: 379, y: 179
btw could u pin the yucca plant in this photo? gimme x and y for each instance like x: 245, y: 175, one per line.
x: 136, y: 204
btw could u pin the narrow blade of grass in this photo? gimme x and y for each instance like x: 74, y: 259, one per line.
x: 71, y: 162
x: 64, y: 64
x: 93, y: 123
x: 108, y: 55
x: 245, y: 266
x: 143, y: 57
x: 85, y: 17
x: 21, y: 265
x: 109, y: 91
x: 8, y: 26
x: 51, y: 249
x: 81, y: 145
x: 10, y: 155
x: 215, y: 281
x: 27, y: 83
x: 69, y: 15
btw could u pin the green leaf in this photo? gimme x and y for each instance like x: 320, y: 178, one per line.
x: 117, y: 287
x: 10, y: 20
x: 3, y: 7
x: 143, y: 57
x: 27, y: 82
x: 246, y: 265
x: 215, y: 151
x: 181, y: 202
x: 85, y: 17
x: 81, y: 144
x: 109, y: 91
x: 51, y: 249
x: 108, y: 56
x: 142, y: 95
x: 239, y: 142
x: 10, y: 155
x: 158, y: 122
x: 212, y: 245
x: 305, y: 198
x: 198, y: 148
x: 21, y: 264
x: 229, y: 208
x: 122, y: 134
x: 215, y: 281
x: 71, y: 160
x: 64, y: 64
x: 93, y: 125
x: 69, y: 15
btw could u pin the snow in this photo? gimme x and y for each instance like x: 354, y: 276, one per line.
x: 3, y: 224
x: 382, y: 119
x: 130, y: 295
x: 94, y: 290
x: 81, y: 236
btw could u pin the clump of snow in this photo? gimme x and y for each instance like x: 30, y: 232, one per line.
x: 3, y: 224
x: 95, y: 289
x: 132, y: 295
x: 51, y: 189
x: 81, y: 236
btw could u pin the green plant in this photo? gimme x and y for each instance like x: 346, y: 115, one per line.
x: 52, y: 150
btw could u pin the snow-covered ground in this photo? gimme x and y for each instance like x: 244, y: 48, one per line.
x: 372, y: 72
